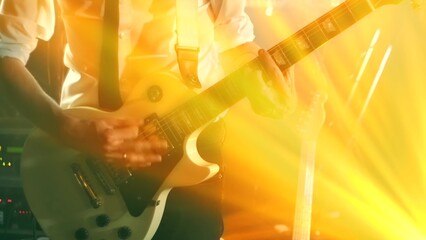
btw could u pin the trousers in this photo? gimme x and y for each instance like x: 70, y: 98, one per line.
x: 195, y: 212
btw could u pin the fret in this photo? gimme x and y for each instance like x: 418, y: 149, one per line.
x: 170, y: 130
x: 221, y: 97
x: 213, y: 101
x: 197, y: 116
x: 302, y: 42
x: 167, y: 132
x: 290, y: 50
x: 177, y: 136
x: 179, y: 131
x: 315, y: 34
x: 225, y: 93
x: 328, y: 26
x: 280, y: 58
x: 343, y: 17
x: 203, y: 107
x: 318, y: 32
x: 359, y: 8
x: 181, y: 122
x: 213, y: 105
x: 185, y: 122
x: 209, y: 107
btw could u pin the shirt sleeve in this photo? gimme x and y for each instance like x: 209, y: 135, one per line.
x: 22, y: 23
x: 233, y: 26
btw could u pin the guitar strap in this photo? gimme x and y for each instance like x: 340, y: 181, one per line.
x: 187, y: 49
x: 187, y: 46
x: 109, y: 88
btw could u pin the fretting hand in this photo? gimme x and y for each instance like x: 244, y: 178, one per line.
x: 271, y: 92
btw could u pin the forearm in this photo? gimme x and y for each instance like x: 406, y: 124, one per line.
x: 270, y: 91
x: 26, y: 95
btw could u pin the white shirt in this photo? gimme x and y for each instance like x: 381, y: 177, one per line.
x: 223, y: 24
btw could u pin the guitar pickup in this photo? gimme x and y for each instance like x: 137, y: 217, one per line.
x: 100, y: 172
x: 154, y: 126
x: 95, y: 201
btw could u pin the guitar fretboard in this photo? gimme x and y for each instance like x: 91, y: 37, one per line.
x: 207, y: 105
x: 318, y: 32
x: 202, y: 108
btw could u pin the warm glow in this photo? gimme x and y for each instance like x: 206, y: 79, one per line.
x: 269, y: 11
x: 370, y: 179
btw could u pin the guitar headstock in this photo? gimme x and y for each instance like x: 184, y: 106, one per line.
x: 312, y: 120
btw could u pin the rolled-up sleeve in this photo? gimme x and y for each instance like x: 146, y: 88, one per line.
x: 22, y: 22
x: 233, y: 26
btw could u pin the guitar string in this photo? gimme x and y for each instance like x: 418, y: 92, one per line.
x: 173, y: 114
x: 343, y: 8
x: 179, y: 115
x: 165, y: 122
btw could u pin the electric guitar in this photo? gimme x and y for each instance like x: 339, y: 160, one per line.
x: 311, y: 124
x: 74, y: 196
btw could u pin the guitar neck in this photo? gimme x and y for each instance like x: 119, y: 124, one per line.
x: 203, y: 107
x: 209, y: 104
x: 318, y: 32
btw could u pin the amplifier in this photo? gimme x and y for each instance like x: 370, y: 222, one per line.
x: 11, y: 144
x: 16, y: 218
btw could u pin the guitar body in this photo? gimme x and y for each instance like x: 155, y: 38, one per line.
x: 57, y: 180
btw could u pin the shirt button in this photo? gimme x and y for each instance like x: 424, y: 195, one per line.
x: 121, y: 35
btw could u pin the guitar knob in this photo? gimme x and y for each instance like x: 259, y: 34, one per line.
x: 81, y: 234
x: 102, y: 220
x: 124, y: 233
x: 155, y: 94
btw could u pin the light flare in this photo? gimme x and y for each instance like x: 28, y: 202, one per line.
x: 370, y: 180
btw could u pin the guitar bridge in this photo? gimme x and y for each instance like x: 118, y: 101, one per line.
x: 108, y: 174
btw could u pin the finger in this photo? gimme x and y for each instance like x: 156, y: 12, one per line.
x: 102, y: 127
x: 159, y: 144
x: 110, y: 123
x: 143, y: 145
x: 138, y: 165
x: 133, y: 157
x: 124, y: 122
x: 268, y: 63
x: 116, y: 136
x: 114, y: 131
x: 283, y: 80
x: 136, y: 158
x: 138, y: 148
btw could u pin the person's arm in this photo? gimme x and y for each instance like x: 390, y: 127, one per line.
x: 22, y: 23
x: 109, y: 138
x: 26, y: 95
x: 271, y: 92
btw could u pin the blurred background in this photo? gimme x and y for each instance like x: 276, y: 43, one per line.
x: 369, y: 177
